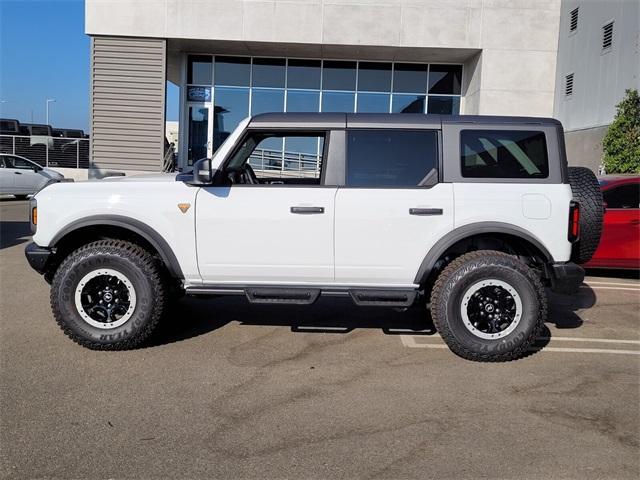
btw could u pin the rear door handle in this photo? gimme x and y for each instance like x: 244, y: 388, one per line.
x: 635, y: 221
x: 307, y: 210
x: 18, y: 173
x: 425, y: 211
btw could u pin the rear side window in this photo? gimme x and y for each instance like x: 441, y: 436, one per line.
x: 504, y: 154
x: 399, y: 158
x: 625, y: 196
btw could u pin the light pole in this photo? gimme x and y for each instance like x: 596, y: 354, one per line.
x: 48, y: 101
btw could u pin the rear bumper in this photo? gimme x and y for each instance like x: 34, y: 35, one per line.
x: 565, y: 277
x: 38, y: 257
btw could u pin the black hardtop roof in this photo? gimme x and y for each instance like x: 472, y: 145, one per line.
x: 374, y: 120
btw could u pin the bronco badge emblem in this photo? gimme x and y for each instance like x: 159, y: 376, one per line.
x: 184, y: 207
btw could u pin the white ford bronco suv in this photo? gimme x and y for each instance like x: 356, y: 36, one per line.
x: 473, y: 216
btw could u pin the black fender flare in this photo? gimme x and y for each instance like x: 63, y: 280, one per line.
x: 145, y: 231
x: 470, y: 230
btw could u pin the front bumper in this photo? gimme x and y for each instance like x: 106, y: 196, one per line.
x: 38, y: 257
x: 565, y: 277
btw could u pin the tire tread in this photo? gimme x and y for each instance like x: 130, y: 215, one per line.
x: 444, y: 282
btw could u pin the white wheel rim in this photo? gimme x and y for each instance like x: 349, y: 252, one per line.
x: 89, y: 313
x: 470, y: 319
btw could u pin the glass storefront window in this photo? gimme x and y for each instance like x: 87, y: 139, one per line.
x: 374, y: 77
x: 198, y: 133
x: 409, y: 78
x: 267, y: 100
x: 303, y: 101
x: 338, y: 75
x: 199, y: 71
x: 303, y: 74
x: 445, y: 79
x: 373, y: 102
x: 232, y: 71
x: 268, y: 72
x: 338, y: 102
x: 443, y: 105
x: 408, y: 103
x: 230, y: 88
x: 231, y: 107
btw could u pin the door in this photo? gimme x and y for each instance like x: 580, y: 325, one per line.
x: 620, y: 242
x: 200, y: 130
x: 392, y: 209
x: 27, y: 179
x: 270, y: 224
x: 6, y: 176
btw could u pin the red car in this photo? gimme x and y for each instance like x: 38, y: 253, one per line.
x: 620, y: 242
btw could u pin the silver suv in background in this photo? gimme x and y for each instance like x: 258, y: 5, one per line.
x: 21, y: 177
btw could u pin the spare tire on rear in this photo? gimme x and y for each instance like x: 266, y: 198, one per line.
x: 586, y: 191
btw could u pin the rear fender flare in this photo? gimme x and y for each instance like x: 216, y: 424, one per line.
x: 470, y: 230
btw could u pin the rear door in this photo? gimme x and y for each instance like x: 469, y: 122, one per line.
x: 392, y: 208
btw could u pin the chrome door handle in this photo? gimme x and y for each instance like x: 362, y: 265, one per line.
x: 307, y: 210
x: 425, y: 211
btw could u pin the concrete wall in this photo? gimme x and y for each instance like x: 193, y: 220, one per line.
x: 600, y: 77
x: 513, y: 75
x: 584, y: 147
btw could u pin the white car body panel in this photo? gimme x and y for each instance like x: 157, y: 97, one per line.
x: 247, y: 234
x: 152, y: 202
x: 378, y: 241
x: 540, y: 209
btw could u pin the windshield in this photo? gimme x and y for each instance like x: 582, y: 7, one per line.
x: 228, y: 144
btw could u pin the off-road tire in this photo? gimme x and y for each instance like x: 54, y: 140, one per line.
x: 459, y: 276
x: 586, y: 191
x: 138, y: 266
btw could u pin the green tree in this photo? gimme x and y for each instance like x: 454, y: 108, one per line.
x: 621, y: 144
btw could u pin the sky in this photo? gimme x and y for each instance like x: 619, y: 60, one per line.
x: 44, y: 54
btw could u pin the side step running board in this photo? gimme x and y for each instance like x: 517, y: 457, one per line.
x: 295, y: 295
x: 391, y: 298
x: 298, y: 296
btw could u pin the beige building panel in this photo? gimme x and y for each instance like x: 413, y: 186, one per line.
x: 127, y: 120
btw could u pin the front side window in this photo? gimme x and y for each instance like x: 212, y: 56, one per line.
x: 21, y: 163
x: 401, y: 158
x: 278, y: 158
x: 504, y: 154
x: 625, y: 196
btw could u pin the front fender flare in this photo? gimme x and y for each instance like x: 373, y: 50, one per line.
x: 145, y: 231
x: 470, y: 230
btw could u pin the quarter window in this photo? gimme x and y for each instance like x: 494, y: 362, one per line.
x: 399, y: 158
x: 504, y: 154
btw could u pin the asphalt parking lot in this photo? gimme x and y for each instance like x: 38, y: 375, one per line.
x: 230, y: 390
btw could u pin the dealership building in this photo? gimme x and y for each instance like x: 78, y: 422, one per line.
x: 234, y: 58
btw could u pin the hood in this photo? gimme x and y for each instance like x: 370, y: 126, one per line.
x: 149, y: 177
x: 52, y: 173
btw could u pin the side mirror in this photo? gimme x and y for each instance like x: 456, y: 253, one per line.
x: 37, y: 168
x: 201, y: 175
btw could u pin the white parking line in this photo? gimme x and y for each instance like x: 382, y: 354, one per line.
x: 409, y: 341
x: 590, y: 282
x: 596, y: 340
x: 597, y: 287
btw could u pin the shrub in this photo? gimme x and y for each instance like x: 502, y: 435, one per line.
x: 621, y: 144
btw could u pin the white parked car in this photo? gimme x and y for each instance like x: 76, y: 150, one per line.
x: 474, y: 216
x: 21, y: 177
